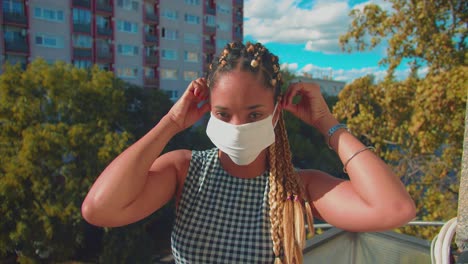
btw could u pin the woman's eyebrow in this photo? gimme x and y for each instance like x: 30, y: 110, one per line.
x: 255, y: 106
x: 220, y: 107
x: 251, y: 107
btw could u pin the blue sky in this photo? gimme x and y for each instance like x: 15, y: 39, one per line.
x: 304, y: 34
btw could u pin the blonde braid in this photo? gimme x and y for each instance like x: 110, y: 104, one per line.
x: 293, y: 211
x: 276, y: 205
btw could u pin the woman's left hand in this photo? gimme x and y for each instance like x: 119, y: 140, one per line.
x: 311, y: 108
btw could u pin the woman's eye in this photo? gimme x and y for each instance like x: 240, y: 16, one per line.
x: 255, y: 116
x: 222, y: 115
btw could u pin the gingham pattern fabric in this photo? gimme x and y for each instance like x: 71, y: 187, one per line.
x: 221, y: 218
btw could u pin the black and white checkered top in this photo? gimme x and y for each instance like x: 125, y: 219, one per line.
x: 221, y: 218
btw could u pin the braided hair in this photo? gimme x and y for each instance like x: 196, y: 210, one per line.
x: 286, y: 197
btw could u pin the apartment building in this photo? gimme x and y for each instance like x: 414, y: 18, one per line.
x: 158, y: 44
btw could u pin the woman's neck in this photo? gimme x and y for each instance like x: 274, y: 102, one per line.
x: 252, y: 170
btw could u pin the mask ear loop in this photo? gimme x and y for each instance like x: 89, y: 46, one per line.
x: 274, y: 111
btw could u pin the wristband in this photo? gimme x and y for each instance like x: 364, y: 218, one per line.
x: 333, y: 129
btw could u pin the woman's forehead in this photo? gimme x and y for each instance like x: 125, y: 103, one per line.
x: 243, y: 84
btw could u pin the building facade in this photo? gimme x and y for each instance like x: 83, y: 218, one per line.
x: 327, y: 85
x: 159, y: 44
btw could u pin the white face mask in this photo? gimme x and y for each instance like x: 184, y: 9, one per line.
x: 242, y: 143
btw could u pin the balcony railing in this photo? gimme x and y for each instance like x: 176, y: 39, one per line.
x: 152, y: 81
x: 15, y: 18
x: 82, y: 27
x: 104, y: 6
x: 209, y: 46
x: 150, y: 38
x: 82, y: 3
x: 17, y: 45
x: 104, y: 31
x: 210, y: 10
x: 238, y: 36
x: 104, y: 55
x: 151, y: 60
x: 82, y: 53
x: 208, y: 29
x: 152, y: 17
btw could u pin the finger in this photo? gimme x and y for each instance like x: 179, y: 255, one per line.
x: 293, y: 90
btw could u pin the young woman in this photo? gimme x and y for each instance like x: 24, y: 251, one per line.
x: 242, y: 202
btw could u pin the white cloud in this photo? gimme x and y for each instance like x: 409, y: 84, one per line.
x: 348, y: 75
x: 318, y: 27
x: 291, y: 67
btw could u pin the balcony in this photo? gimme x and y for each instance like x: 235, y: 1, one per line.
x: 151, y: 82
x: 104, y: 6
x: 237, y: 36
x: 15, y: 18
x: 151, y: 60
x: 238, y: 2
x: 17, y: 45
x: 104, y: 56
x: 209, y: 46
x: 82, y: 3
x: 151, y: 17
x: 208, y: 29
x: 82, y: 27
x: 150, y: 38
x: 238, y: 18
x: 82, y: 53
x: 103, y: 31
x: 210, y: 10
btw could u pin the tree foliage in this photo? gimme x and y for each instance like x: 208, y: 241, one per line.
x: 415, y: 124
x: 59, y: 127
x: 429, y: 33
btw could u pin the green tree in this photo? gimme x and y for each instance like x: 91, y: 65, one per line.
x: 59, y: 127
x: 415, y: 124
x: 429, y: 33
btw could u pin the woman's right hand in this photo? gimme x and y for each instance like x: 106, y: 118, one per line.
x: 186, y: 111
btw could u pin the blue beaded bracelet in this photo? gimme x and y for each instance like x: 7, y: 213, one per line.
x: 333, y: 129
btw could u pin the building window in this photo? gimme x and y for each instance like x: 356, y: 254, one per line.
x: 192, y: 2
x: 103, y: 22
x: 190, y: 75
x: 13, y: 6
x: 169, y: 34
x: 127, y: 26
x: 169, y: 54
x: 128, y: 4
x: 224, y: 26
x: 48, y: 14
x: 81, y: 16
x: 169, y: 74
x: 127, y: 72
x: 190, y: 56
x: 82, y: 41
x: 173, y: 94
x: 150, y: 73
x: 169, y: 14
x: 221, y: 42
x: 223, y: 9
x: 192, y: 19
x: 210, y: 20
x: 128, y: 50
x: 48, y: 41
x: 192, y: 38
x: 82, y: 64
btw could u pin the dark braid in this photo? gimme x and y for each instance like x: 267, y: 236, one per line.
x: 250, y: 57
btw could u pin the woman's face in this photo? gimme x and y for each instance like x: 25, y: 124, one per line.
x: 240, y: 97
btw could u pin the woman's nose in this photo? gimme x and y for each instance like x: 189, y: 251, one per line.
x: 236, y: 120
